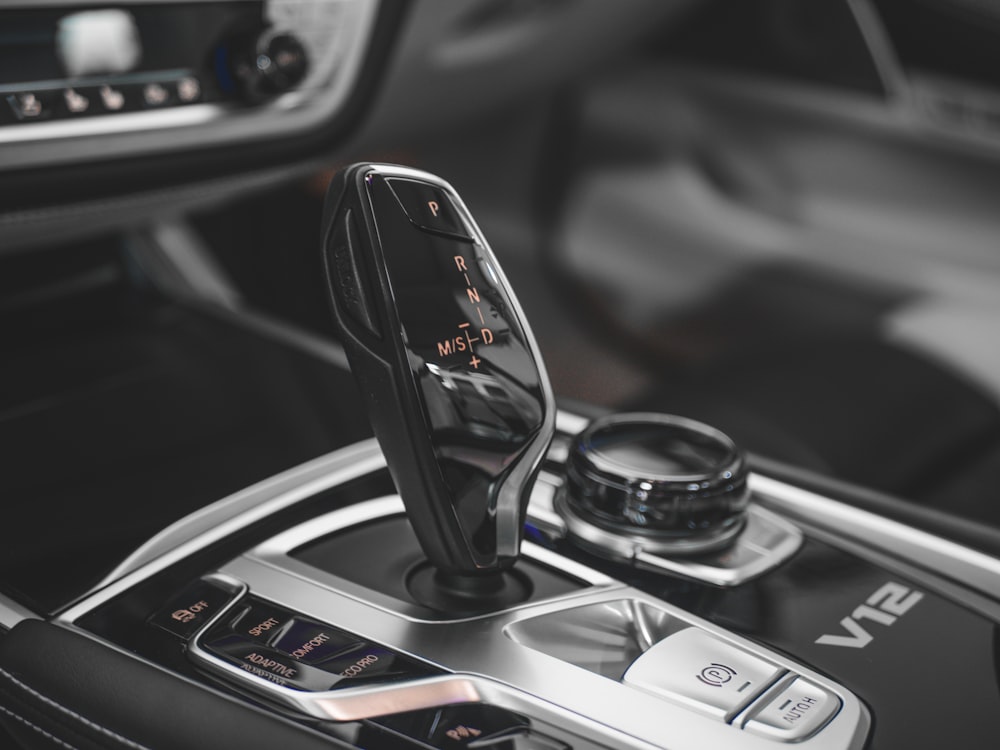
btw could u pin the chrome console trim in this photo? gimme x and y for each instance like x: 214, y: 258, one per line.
x: 11, y: 613
x: 485, y: 663
x: 228, y: 515
x: 962, y: 565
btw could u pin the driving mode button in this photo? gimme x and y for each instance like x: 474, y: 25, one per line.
x: 261, y: 622
x: 702, y: 671
x: 191, y: 608
x: 268, y: 664
x: 428, y: 207
x: 311, y: 642
x: 794, y: 713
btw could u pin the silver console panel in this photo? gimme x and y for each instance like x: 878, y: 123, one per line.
x: 560, y: 661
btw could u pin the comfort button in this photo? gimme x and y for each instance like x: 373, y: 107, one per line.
x: 311, y: 642
x: 696, y: 668
x: 795, y: 713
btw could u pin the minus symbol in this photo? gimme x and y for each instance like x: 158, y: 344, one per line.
x: 785, y: 704
x: 744, y: 686
x: 464, y: 325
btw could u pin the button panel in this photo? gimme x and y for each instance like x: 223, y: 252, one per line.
x: 794, y: 713
x: 271, y: 643
x: 694, y: 667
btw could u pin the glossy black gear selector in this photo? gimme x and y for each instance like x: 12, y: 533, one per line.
x: 456, y: 391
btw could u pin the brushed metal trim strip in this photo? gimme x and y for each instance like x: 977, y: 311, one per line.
x: 11, y: 613
x: 229, y: 515
x: 924, y: 550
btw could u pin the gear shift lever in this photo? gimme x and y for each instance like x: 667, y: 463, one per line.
x: 455, y: 387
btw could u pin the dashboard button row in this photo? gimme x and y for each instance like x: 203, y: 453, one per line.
x: 78, y: 101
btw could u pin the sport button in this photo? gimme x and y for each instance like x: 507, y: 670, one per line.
x: 702, y: 671
x: 428, y: 207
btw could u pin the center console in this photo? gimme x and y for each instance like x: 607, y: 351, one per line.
x: 495, y: 573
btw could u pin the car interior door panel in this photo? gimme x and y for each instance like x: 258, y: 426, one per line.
x: 499, y: 374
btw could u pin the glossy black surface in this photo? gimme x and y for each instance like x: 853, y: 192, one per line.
x: 657, y: 475
x: 456, y: 395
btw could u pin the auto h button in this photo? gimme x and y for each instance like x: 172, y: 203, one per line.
x: 793, y: 714
x: 702, y: 671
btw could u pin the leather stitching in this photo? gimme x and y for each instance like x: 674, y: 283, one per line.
x: 81, y: 719
x: 47, y: 735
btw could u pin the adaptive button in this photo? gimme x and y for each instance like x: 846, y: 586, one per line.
x: 342, y: 260
x: 271, y: 665
x: 261, y: 622
x: 796, y: 712
x: 700, y: 670
x: 191, y: 609
x: 367, y: 663
x: 311, y: 643
x: 428, y: 207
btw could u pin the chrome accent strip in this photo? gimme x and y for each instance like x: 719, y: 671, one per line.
x: 919, y: 548
x: 880, y: 47
x: 222, y: 518
x: 626, y: 546
x: 11, y: 613
x: 571, y: 424
x: 760, y: 521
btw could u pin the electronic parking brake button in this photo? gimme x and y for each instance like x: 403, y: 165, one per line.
x: 268, y: 664
x: 793, y: 714
x: 696, y: 668
x: 428, y: 207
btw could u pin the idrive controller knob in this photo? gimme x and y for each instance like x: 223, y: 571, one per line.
x: 456, y: 391
x: 658, y: 482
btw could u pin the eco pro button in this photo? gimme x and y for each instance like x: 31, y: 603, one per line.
x: 696, y: 668
x: 794, y: 713
x: 428, y: 207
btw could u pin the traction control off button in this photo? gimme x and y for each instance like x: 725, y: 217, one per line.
x: 795, y: 713
x: 191, y: 609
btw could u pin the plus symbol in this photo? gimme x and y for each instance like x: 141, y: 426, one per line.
x: 475, y: 361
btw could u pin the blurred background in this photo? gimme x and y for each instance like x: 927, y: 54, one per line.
x: 774, y: 216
